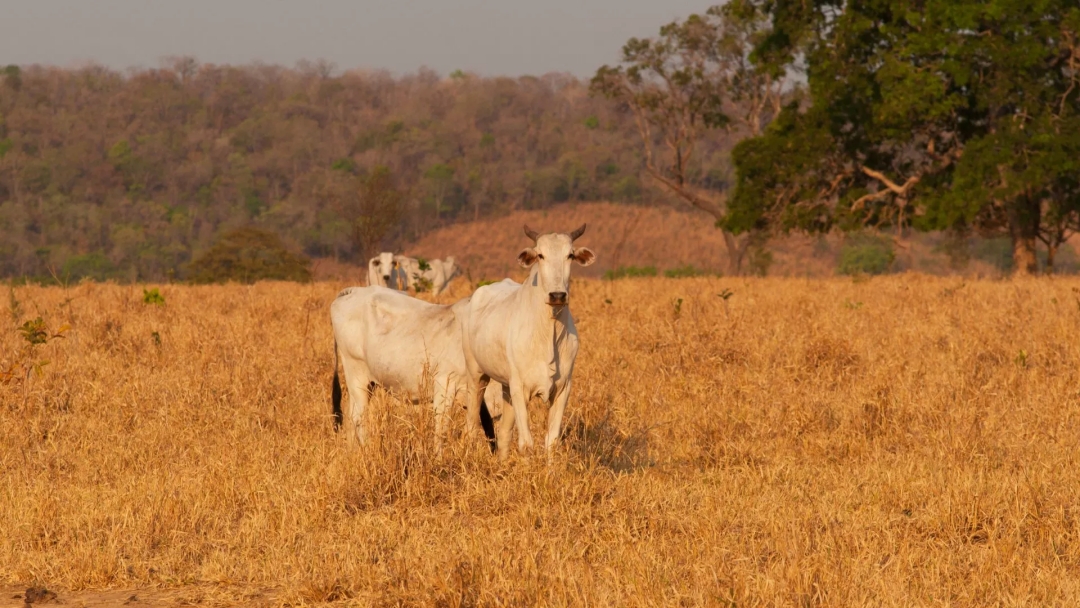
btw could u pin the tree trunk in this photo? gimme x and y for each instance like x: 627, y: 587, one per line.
x: 1024, y: 230
x: 736, y: 250
x: 1051, y: 251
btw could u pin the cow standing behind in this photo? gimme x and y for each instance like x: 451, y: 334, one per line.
x: 438, y: 273
x: 386, y: 338
x: 523, y: 336
x: 381, y: 270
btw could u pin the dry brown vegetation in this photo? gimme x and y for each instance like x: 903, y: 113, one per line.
x: 665, y: 237
x: 901, y: 441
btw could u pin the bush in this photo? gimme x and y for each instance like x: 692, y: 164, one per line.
x: 624, y: 272
x: 152, y: 296
x: 866, y: 254
x: 627, y: 189
x: 760, y: 260
x: 957, y: 248
x: 247, y: 255
x: 89, y: 265
x: 997, y: 252
x: 681, y: 272
x: 1065, y: 262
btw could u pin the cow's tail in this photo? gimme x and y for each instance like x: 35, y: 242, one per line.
x: 335, y: 392
x: 488, y: 424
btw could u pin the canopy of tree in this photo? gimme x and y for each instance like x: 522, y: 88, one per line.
x: 246, y: 255
x: 945, y: 114
x: 696, y: 77
x: 131, y: 175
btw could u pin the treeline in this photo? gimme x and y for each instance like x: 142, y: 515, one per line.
x: 130, y: 175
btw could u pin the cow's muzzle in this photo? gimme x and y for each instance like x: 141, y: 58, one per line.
x: 386, y: 278
x: 557, y: 298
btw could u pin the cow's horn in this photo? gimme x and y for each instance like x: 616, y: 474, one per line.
x: 577, y: 233
x: 529, y: 232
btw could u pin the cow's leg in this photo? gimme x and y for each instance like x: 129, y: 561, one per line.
x: 506, y: 427
x: 520, y: 417
x: 493, y: 397
x: 555, y: 414
x: 358, y: 381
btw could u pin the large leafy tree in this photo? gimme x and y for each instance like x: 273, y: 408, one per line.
x: 933, y: 115
x: 697, y: 76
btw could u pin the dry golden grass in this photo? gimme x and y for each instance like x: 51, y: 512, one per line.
x: 894, y: 442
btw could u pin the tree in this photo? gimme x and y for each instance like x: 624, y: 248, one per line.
x: 373, y: 206
x: 247, y: 255
x: 688, y: 81
x: 440, y: 179
x: 147, y: 166
x: 940, y: 115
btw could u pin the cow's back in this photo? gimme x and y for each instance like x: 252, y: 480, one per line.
x: 398, y: 337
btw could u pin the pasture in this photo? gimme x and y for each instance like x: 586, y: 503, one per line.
x: 899, y: 441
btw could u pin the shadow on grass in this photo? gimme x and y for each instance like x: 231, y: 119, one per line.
x: 604, y: 444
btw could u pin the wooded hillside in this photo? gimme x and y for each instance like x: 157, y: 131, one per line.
x: 128, y: 175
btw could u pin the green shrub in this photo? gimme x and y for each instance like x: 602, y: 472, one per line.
x: 345, y: 164
x: 92, y: 265
x: 759, y: 260
x: 686, y: 270
x: 152, y: 296
x: 997, y: 252
x: 957, y: 248
x: 247, y: 255
x: 625, y: 272
x: 1066, y: 261
x: 866, y: 254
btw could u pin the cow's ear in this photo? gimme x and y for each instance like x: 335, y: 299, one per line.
x: 527, y: 257
x: 584, y: 256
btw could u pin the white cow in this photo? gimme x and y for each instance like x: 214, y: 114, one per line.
x: 381, y: 269
x: 386, y: 338
x: 523, y: 336
x: 408, y: 270
x: 438, y: 272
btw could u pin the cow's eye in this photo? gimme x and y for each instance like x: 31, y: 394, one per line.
x: 570, y: 257
x: 540, y: 255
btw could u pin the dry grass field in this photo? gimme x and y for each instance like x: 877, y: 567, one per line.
x: 899, y: 441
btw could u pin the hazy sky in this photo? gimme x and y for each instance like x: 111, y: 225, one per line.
x: 509, y: 37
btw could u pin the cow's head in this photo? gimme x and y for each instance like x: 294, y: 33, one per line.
x: 552, y: 254
x: 384, y: 264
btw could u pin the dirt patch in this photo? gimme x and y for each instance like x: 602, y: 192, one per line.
x: 21, y: 596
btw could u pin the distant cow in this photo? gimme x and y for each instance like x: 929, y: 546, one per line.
x: 389, y: 270
x: 523, y: 336
x: 381, y: 269
x: 386, y: 338
x: 408, y: 270
x: 438, y: 273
